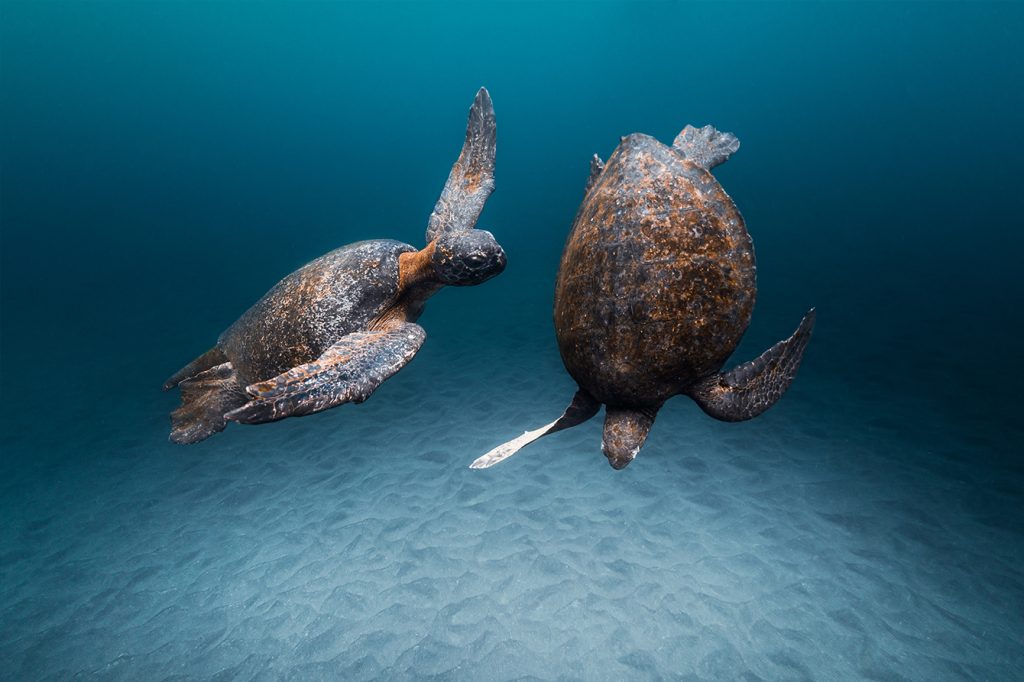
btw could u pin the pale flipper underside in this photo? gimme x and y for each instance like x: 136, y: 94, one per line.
x: 582, y: 408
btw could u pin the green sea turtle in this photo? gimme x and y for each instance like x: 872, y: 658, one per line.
x: 334, y: 330
x: 655, y: 288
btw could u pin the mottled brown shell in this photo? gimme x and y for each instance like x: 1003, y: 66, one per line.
x: 657, y: 279
x: 295, y: 322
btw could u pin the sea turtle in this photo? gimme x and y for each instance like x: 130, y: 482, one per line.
x: 334, y: 330
x: 655, y: 288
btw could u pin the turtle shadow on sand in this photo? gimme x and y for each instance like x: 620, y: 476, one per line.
x: 334, y: 330
x: 655, y: 289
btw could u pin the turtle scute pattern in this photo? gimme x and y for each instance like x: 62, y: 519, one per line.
x: 300, y: 317
x: 657, y: 280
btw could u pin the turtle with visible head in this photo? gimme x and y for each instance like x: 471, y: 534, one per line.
x: 334, y: 330
x: 655, y: 289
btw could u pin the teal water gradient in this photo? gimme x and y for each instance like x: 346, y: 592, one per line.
x: 154, y: 153
x: 164, y: 164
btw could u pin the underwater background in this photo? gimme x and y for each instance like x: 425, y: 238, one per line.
x: 164, y: 164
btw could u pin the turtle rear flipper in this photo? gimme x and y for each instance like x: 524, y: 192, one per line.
x: 582, y: 408
x: 749, y: 389
x: 347, y: 372
x: 205, y: 398
x: 706, y: 147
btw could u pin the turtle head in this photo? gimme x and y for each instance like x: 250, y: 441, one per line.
x: 469, y: 257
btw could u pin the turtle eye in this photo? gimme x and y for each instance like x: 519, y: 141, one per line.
x: 476, y: 259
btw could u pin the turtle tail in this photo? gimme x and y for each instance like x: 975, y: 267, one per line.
x: 211, y: 358
x: 205, y: 399
x: 749, y: 389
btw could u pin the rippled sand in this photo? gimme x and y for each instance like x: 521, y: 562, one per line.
x: 825, y: 540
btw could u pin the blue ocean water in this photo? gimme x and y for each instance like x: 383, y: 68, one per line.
x: 164, y: 164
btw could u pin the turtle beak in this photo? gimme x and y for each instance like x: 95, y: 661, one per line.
x: 619, y: 458
x: 495, y: 257
x: 618, y: 462
x: 496, y: 266
x: 502, y: 261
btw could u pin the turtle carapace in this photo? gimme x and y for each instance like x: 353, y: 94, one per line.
x: 655, y: 289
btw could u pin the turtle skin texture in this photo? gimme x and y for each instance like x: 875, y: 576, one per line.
x: 657, y: 280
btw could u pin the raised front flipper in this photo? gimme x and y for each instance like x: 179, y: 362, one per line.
x: 582, y: 408
x: 349, y: 371
x: 471, y: 179
x: 751, y: 388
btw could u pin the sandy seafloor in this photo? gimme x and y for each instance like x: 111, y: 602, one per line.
x: 845, y: 534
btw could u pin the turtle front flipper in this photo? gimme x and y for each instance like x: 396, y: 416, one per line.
x: 751, y: 388
x: 348, y: 371
x: 582, y: 408
x: 471, y: 180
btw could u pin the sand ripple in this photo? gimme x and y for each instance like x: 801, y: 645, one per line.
x: 358, y: 545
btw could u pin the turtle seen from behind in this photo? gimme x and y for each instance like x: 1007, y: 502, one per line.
x: 334, y: 330
x: 655, y: 289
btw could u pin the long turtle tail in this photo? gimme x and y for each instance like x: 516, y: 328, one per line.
x: 205, y: 398
x: 582, y: 408
x: 749, y: 389
x: 211, y: 358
